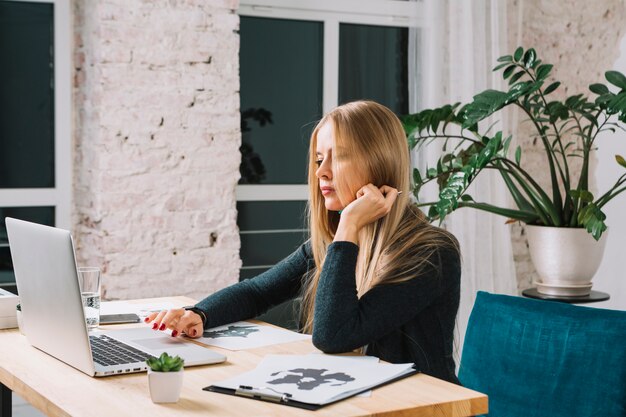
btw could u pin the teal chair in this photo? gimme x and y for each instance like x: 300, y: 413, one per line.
x: 538, y: 358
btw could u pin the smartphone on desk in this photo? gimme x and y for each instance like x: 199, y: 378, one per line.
x: 119, y: 318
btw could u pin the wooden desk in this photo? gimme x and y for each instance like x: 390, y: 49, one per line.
x: 60, y: 390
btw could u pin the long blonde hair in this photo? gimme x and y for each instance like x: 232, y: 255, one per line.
x: 395, y: 247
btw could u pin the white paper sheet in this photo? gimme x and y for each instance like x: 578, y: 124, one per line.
x: 315, y: 379
x: 245, y: 335
x: 372, y: 359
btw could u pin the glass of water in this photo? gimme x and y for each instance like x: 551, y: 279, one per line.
x: 89, y: 281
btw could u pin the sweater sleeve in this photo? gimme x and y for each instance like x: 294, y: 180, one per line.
x: 343, y: 322
x: 249, y: 298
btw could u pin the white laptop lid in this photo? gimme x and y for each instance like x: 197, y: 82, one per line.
x: 52, y: 309
x: 47, y: 283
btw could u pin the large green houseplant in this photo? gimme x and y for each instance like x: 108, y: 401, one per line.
x: 566, y: 128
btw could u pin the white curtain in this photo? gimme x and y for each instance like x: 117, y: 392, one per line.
x: 458, y: 51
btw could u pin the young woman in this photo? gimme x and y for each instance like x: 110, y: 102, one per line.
x: 375, y: 275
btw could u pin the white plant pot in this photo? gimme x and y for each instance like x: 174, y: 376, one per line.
x: 566, y: 259
x: 165, y: 387
x: 20, y: 323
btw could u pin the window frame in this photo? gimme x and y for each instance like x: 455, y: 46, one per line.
x: 411, y: 14
x: 59, y: 196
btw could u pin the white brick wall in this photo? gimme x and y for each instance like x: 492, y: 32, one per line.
x: 581, y: 39
x: 157, y: 139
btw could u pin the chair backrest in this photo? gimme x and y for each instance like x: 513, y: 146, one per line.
x: 543, y: 358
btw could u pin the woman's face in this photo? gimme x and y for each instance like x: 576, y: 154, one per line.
x: 327, y: 178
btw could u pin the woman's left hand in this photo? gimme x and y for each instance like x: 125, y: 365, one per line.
x: 371, y: 204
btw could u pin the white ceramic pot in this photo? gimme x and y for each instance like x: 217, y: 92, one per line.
x: 165, y: 387
x: 565, y: 258
x: 20, y: 323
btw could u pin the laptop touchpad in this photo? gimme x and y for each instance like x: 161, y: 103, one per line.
x: 160, y: 343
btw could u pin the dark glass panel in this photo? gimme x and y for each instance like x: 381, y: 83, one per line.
x: 281, y: 81
x: 373, y: 64
x: 26, y: 95
x: 268, y: 248
x: 268, y: 215
x: 246, y: 273
x: 41, y: 215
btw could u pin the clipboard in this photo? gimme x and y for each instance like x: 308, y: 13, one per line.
x: 278, y: 397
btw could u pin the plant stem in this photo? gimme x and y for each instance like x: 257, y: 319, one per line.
x: 556, y: 191
x: 565, y: 177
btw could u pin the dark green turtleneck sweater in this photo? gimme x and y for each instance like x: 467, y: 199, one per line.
x: 412, y: 321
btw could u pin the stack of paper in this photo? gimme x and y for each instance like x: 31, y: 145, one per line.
x: 8, y: 312
x: 310, y: 381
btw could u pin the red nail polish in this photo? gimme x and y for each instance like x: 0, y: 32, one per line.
x: 174, y: 333
x: 155, y: 326
x: 162, y: 327
x: 146, y: 319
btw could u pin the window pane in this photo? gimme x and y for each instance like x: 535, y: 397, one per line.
x: 41, y: 215
x: 266, y: 215
x: 373, y: 64
x: 26, y: 95
x: 281, y: 79
x: 269, y: 231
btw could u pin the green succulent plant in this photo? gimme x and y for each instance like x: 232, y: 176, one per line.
x: 567, y: 129
x: 166, y: 363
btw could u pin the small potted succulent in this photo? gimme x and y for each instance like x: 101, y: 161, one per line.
x: 165, y: 378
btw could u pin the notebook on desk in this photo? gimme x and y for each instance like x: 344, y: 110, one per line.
x: 54, y: 320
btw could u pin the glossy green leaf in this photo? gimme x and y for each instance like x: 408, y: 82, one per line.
x: 543, y: 71
x: 599, y: 89
x: 551, y: 87
x: 529, y: 58
x: 417, y: 176
x: 516, y: 77
x: 592, y: 219
x: 505, y: 145
x: 582, y: 195
x: 505, y: 58
x: 518, y: 155
x: 432, y: 212
x: 616, y: 78
x: 508, y: 71
x: 484, y: 104
x: 500, y: 66
x: 518, y: 54
x: 604, y: 99
x: 617, y: 104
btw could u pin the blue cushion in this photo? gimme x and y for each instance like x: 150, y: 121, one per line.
x: 542, y: 358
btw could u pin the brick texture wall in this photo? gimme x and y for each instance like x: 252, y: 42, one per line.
x: 156, y: 144
x: 581, y: 39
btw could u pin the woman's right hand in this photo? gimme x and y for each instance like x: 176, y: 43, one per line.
x: 179, y: 320
x: 371, y: 203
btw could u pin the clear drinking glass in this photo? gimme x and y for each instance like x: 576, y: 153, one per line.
x: 89, y: 281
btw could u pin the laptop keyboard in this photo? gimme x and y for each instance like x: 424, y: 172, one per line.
x: 108, y: 351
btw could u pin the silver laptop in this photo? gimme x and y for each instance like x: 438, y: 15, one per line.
x: 53, y: 316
